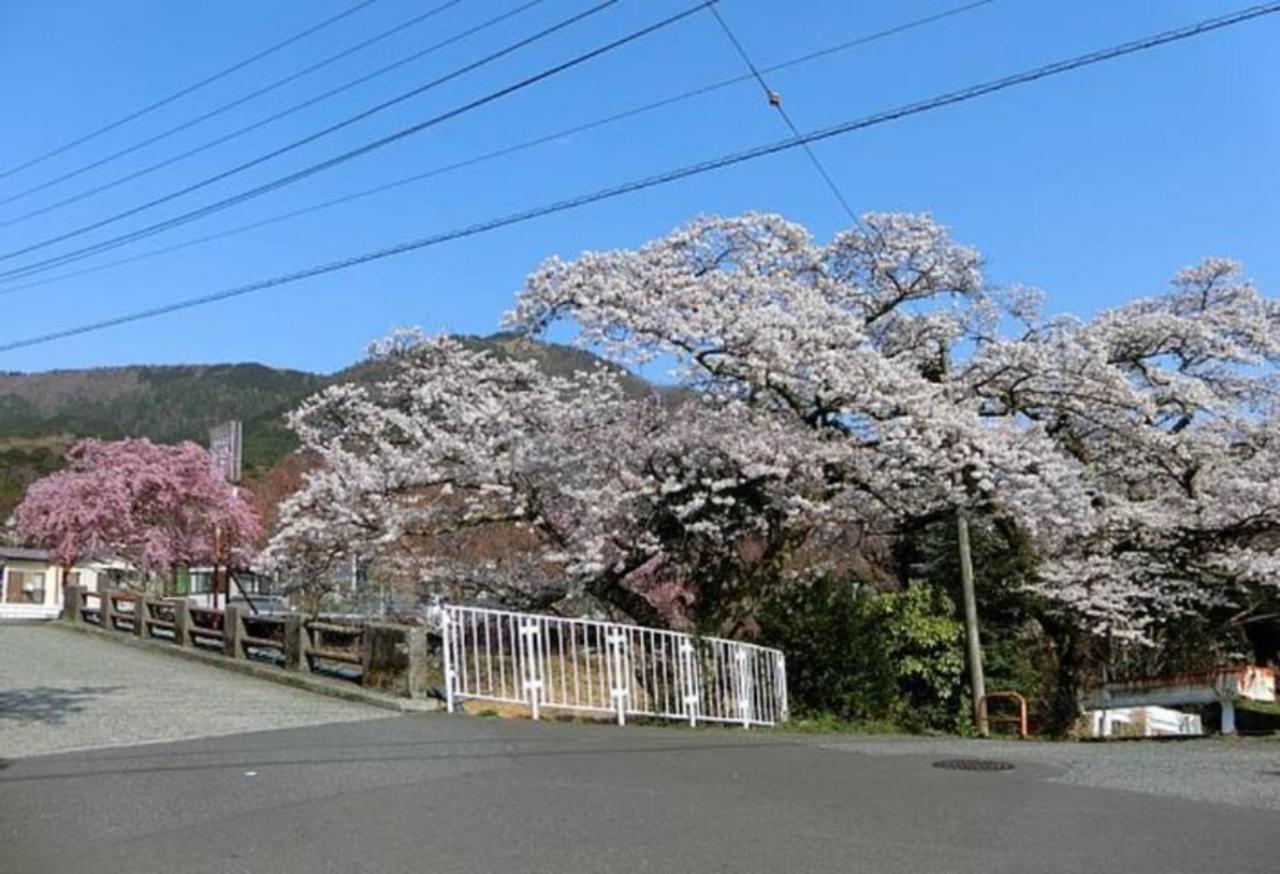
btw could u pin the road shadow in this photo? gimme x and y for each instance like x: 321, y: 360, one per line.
x: 50, y: 705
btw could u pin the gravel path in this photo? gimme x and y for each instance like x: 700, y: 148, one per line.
x: 1240, y: 772
x: 61, y: 691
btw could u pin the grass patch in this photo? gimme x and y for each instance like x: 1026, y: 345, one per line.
x: 1258, y: 718
x: 1271, y: 708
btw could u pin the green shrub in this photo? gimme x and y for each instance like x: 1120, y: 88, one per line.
x: 923, y: 641
x: 856, y: 655
x: 1027, y: 646
x: 834, y: 666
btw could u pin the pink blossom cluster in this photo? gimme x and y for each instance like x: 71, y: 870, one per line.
x: 158, y: 506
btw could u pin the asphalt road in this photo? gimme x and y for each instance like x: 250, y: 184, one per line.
x: 443, y: 793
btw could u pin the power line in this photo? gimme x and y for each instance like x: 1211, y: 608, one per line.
x: 950, y: 98
x: 775, y: 100
x: 208, y: 80
x: 506, y: 150
x: 905, y: 26
x: 290, y: 110
x: 877, y: 35
x: 287, y: 111
x: 331, y: 162
x: 213, y: 113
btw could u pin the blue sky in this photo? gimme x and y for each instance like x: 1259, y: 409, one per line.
x: 1094, y: 186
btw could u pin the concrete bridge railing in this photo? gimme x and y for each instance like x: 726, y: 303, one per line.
x: 384, y: 656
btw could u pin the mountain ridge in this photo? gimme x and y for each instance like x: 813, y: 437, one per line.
x: 42, y: 414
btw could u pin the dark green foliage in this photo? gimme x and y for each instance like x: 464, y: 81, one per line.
x: 1024, y: 647
x: 1184, y: 645
x: 1257, y: 717
x: 166, y: 404
x: 924, y: 642
x: 19, y: 467
x: 833, y: 666
x: 869, y: 657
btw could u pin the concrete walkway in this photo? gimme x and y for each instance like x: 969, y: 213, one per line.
x: 62, y: 691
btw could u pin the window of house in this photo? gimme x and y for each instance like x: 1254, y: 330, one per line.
x: 24, y: 587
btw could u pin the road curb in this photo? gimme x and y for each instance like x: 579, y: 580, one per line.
x: 305, y: 682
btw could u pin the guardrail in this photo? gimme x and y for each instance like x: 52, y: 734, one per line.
x: 386, y: 656
x: 608, y: 668
x: 541, y: 662
x: 1224, y: 686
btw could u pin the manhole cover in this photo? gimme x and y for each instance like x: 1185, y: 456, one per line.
x: 973, y: 765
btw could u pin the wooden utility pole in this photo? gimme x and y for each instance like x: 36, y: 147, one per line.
x: 977, y: 682
x: 216, y: 583
x: 973, y: 642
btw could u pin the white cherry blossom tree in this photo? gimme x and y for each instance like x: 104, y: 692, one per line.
x: 1168, y: 407
x: 849, y: 341
x: 494, y: 479
x: 859, y: 385
x: 1136, y: 446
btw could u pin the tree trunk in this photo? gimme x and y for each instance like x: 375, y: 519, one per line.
x: 610, y: 590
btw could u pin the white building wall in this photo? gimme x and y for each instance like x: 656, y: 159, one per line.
x: 20, y: 595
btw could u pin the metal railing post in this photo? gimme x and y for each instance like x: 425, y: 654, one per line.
x: 740, y: 656
x: 446, y: 637
x: 620, y: 681
x: 780, y: 683
x: 530, y: 668
x: 689, y: 687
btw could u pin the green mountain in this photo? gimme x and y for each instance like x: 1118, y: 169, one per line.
x: 43, y: 414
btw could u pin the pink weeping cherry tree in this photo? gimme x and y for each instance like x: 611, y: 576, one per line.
x: 159, y: 507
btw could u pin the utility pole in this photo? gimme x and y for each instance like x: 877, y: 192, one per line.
x: 216, y: 583
x: 977, y: 682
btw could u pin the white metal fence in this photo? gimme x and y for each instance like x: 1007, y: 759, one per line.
x: 608, y: 668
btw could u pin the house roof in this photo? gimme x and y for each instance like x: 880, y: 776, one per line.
x: 24, y: 553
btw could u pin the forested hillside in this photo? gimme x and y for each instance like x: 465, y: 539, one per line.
x: 43, y: 414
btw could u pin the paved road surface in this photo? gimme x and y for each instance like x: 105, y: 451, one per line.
x: 60, y: 691
x: 345, y: 793
x: 460, y: 794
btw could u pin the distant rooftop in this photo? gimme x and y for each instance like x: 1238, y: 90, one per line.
x: 25, y: 553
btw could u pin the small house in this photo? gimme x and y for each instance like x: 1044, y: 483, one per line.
x: 31, y: 581
x: 29, y: 584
